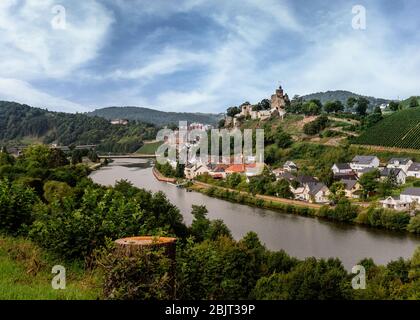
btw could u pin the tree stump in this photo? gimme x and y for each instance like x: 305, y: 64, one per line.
x: 129, y: 246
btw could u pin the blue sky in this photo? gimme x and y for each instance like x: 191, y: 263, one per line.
x: 203, y: 56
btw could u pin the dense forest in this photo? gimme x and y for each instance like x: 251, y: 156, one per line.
x: 22, y: 124
x: 156, y: 117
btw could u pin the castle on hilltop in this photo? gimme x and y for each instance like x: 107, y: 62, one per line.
x: 279, y: 100
x: 278, y: 103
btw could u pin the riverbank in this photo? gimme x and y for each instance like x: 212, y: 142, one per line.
x: 283, y: 201
x: 351, y: 214
x: 161, y: 177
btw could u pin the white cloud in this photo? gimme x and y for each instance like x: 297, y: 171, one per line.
x: 23, y: 92
x: 30, y: 48
x: 192, y: 101
x: 167, y: 62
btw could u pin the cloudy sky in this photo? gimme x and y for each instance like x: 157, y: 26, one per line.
x: 202, y: 56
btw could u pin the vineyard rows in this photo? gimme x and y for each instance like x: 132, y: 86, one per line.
x: 400, y: 130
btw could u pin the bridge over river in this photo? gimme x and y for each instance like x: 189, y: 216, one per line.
x: 128, y: 156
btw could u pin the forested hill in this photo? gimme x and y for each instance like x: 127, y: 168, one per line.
x: 154, y: 116
x: 342, y: 96
x: 22, y: 124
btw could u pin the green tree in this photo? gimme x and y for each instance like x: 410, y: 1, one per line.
x: 179, y: 170
x: 282, y: 189
x: 232, y: 111
x: 337, y: 190
x: 76, y: 156
x: 311, y: 108
x: 394, y: 106
x: 56, y: 190
x: 369, y: 182
x: 413, y: 102
x: 362, y: 106
x: 16, y: 206
x: 414, y: 225
x: 351, y: 102
x: 233, y: 180
x: 309, y: 280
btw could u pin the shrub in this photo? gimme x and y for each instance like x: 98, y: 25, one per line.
x: 74, y: 230
x: 309, y: 280
x: 55, y: 190
x: 220, y: 269
x: 414, y: 225
x: 16, y: 203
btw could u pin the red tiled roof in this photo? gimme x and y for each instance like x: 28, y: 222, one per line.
x: 236, y: 168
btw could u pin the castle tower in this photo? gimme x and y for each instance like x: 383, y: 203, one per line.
x: 279, y: 99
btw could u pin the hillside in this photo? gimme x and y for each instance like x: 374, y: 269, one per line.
x: 400, y: 129
x: 22, y: 124
x: 406, y: 103
x: 156, y: 117
x: 342, y: 96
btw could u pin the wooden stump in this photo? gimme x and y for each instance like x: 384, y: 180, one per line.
x: 133, y: 244
x: 129, y: 246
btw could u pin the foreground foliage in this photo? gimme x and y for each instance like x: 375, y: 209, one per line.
x: 71, y: 219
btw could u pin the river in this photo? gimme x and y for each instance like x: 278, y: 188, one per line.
x: 299, y: 236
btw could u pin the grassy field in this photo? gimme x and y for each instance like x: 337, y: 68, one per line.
x: 149, y: 148
x: 25, y: 274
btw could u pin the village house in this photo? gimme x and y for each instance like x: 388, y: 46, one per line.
x: 253, y: 169
x: 217, y: 171
x: 290, y: 166
x: 400, y: 163
x: 411, y: 195
x: 192, y: 171
x: 235, y: 168
x: 304, y: 179
x: 351, y: 188
x: 396, y: 203
x: 414, y: 170
x: 122, y: 122
x: 345, y: 176
x: 309, y: 189
x: 341, y: 168
x: 316, y: 192
x: 398, y: 174
x: 363, y: 162
x: 249, y: 170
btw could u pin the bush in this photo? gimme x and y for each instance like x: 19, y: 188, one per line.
x: 220, y: 269
x: 416, y: 183
x: 414, y: 225
x: 388, y: 219
x: 309, y: 280
x: 316, y: 126
x: 55, y: 190
x: 16, y: 203
x: 74, y: 230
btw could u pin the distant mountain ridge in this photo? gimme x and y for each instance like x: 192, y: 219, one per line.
x: 22, y: 125
x: 155, y: 117
x: 342, y: 96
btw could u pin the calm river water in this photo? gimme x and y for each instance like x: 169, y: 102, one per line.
x: 299, y: 236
